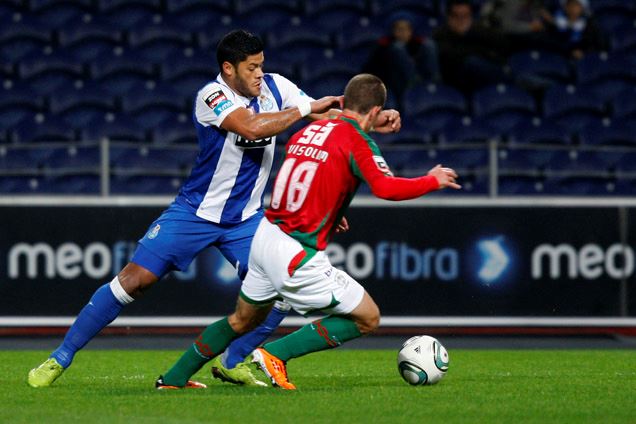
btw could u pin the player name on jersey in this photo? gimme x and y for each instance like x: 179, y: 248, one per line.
x: 308, y: 151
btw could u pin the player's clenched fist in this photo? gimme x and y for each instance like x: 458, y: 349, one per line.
x: 445, y: 176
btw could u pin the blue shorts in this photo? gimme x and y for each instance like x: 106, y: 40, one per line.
x: 178, y: 235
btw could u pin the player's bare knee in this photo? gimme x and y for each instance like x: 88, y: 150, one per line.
x: 369, y: 323
x: 135, y: 279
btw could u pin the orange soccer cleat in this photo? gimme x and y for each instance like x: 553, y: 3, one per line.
x: 273, y: 367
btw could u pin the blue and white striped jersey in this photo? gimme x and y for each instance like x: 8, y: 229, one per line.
x: 228, y: 179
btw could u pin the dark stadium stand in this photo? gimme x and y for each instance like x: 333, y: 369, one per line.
x: 89, y: 71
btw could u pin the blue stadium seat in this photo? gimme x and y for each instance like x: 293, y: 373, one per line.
x: 542, y: 64
x: 512, y: 184
x: 174, y: 131
x: 335, y: 65
x: 623, y: 38
x: 43, y: 128
x: 467, y: 130
x: 119, y: 72
x: 23, y: 184
x: 144, y: 184
x: 89, y: 40
x: 459, y: 158
x: 331, y: 20
x: 247, y: 6
x: 329, y: 86
x: 16, y: 158
x: 609, y: 132
x: 418, y: 7
x: 47, y: 73
x: 196, y: 15
x: 128, y: 14
x: 59, y: 14
x: 114, y: 128
x: 86, y: 158
x: 16, y: 102
x: 169, y: 159
x: 188, y: 71
x: 499, y: 98
x: 151, y: 105
x: 260, y: 21
x: 572, y: 106
x: 413, y: 132
x: 624, y: 105
x: 285, y: 38
x: 538, y: 131
x: 401, y: 158
x: 516, y: 158
x: 606, y: 75
x: 580, y: 185
x: 80, y: 104
x: 17, y: 39
x: 357, y: 37
x: 156, y: 43
x: 72, y: 183
x: 424, y: 99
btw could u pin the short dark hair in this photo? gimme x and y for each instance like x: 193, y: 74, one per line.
x: 363, y: 92
x: 236, y: 45
x: 452, y: 3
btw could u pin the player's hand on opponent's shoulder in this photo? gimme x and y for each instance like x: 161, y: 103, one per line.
x: 388, y: 121
x: 323, y: 104
x: 445, y: 176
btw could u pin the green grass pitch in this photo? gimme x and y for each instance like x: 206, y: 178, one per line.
x: 344, y: 386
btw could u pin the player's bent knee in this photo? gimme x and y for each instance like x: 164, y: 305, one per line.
x: 369, y: 323
x: 135, y: 279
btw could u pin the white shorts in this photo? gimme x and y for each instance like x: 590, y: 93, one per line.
x: 315, y: 286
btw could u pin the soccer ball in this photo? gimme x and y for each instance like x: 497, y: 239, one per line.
x: 422, y: 360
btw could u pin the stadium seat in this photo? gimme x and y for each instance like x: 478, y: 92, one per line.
x: 114, y: 128
x: 623, y: 37
x: 284, y: 38
x: 181, y: 131
x: 80, y: 104
x: 151, y: 105
x: 153, y: 158
x: 16, y: 101
x: 43, y: 128
x: 242, y: 7
x: 119, y: 72
x: 260, y: 21
x: 417, y: 7
x: 624, y: 104
x: 357, y: 37
x: 71, y: 183
x: 143, y: 184
x: 500, y: 98
x: 336, y: 65
x: 459, y: 158
x: 530, y: 64
x: 423, y: 99
x: 60, y: 14
x: 609, y: 132
x: 17, y: 39
x: 22, y: 184
x: 156, y: 43
x: 84, y: 158
x: 331, y: 20
x: 538, y: 131
x: 606, y: 75
x: 329, y: 86
x: 47, y: 73
x: 189, y: 70
x: 580, y: 185
x: 17, y: 158
x: 128, y: 14
x: 89, y: 40
x: 197, y: 15
x: 412, y: 132
x: 467, y: 130
x: 518, y: 184
x: 400, y: 158
x: 572, y: 106
x: 533, y: 158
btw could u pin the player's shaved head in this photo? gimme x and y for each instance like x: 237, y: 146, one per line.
x: 363, y: 92
x: 236, y: 46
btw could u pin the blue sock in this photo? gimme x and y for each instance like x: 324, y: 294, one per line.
x: 100, y: 311
x: 244, y: 345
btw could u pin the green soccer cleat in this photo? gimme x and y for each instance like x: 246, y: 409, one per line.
x: 45, y: 374
x: 240, y: 374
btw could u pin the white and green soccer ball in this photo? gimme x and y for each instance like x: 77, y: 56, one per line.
x: 422, y: 360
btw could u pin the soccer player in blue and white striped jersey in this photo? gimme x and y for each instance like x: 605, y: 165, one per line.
x: 237, y: 117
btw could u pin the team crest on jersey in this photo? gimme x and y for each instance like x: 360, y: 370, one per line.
x: 218, y: 102
x: 265, y: 102
x: 154, y: 232
x: 382, y: 165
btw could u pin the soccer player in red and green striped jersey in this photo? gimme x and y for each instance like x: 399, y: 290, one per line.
x: 323, y: 166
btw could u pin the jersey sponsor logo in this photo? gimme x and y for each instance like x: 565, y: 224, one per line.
x: 218, y: 102
x: 252, y: 144
x: 382, y: 165
x: 154, y: 232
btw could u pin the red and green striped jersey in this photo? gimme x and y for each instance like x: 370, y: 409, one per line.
x: 323, y: 166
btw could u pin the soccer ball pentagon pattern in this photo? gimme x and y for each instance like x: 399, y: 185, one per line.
x: 422, y: 360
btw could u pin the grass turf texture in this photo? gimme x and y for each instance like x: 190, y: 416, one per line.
x: 346, y: 386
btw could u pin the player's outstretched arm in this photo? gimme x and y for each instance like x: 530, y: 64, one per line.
x: 254, y: 126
